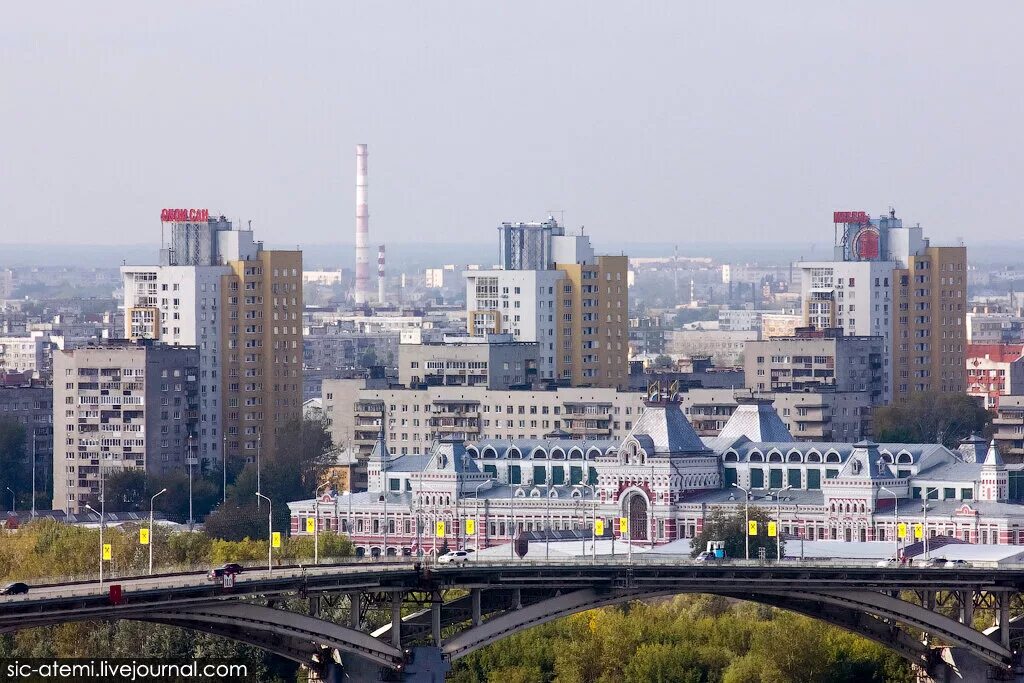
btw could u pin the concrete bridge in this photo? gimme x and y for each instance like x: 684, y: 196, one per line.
x: 435, y: 615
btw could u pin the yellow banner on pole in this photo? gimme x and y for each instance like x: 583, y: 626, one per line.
x: 599, y: 527
x: 772, y: 529
x: 470, y: 526
x: 901, y: 530
x: 439, y: 529
x: 107, y: 552
x: 752, y: 528
x: 623, y: 525
x: 275, y: 539
x: 918, y: 531
x: 310, y: 525
x: 144, y: 536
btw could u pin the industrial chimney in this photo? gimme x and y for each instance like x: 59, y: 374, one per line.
x: 380, y: 274
x: 362, y: 293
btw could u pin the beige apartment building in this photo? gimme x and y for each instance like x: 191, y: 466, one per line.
x: 415, y: 417
x: 593, y: 315
x: 842, y: 416
x: 929, y: 330
x: 261, y: 342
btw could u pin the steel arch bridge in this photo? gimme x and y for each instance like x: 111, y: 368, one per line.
x: 908, y: 610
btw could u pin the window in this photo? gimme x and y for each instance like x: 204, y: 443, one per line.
x: 813, y: 479
x: 793, y: 478
x: 775, y: 478
x: 539, y: 474
x: 515, y: 474
x: 756, y: 478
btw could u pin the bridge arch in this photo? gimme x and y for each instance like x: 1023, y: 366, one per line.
x: 872, y: 615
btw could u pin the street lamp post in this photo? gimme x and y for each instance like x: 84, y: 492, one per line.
x: 924, y: 532
x: 476, y: 514
x: 259, y: 448
x: 33, y: 513
x: 746, y: 518
x: 14, y: 504
x: 270, y: 532
x: 316, y: 523
x: 512, y: 523
x: 191, y: 462
x: 778, y: 522
x: 895, y: 520
x: 224, y: 468
x: 152, y: 500
x: 583, y: 511
x: 547, y: 521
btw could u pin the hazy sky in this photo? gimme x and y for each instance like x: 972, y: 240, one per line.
x: 675, y: 121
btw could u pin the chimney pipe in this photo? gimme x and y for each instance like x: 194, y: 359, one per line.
x: 380, y: 274
x: 362, y: 293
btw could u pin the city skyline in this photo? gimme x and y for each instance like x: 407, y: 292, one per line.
x: 751, y: 122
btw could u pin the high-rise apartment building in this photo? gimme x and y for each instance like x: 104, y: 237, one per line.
x: 930, y: 334
x: 886, y: 280
x: 552, y: 289
x: 118, y: 406
x: 261, y: 342
x: 219, y: 290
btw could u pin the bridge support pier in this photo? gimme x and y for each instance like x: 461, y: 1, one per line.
x: 355, y: 607
x: 517, y: 598
x: 427, y: 666
x: 435, y: 621
x: 396, y: 619
x: 967, y: 607
x: 957, y: 665
x: 476, y: 593
x: 314, y: 605
x: 1004, y: 620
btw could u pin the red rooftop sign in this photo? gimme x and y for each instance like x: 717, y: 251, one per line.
x: 184, y: 215
x: 855, y: 217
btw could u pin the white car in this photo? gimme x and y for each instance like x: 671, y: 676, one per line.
x: 888, y: 564
x: 454, y: 557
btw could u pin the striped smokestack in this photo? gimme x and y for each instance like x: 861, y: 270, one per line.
x: 380, y: 274
x: 362, y: 294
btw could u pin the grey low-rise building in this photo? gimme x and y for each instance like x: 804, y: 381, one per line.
x: 817, y: 360
x: 495, y: 361
x: 121, y: 405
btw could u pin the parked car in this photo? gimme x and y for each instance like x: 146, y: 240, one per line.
x: 891, y: 563
x: 16, y: 588
x: 454, y: 557
x: 231, y: 568
x: 958, y: 564
x: 934, y: 563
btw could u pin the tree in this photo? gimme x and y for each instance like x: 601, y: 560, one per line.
x: 663, y: 663
x: 14, y: 462
x: 368, y: 358
x: 663, y: 362
x: 730, y: 527
x: 235, y: 521
x: 931, y: 417
x: 124, y: 491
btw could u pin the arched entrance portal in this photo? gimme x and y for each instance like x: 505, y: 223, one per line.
x: 637, y: 518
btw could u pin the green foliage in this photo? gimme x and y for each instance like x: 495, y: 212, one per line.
x: 45, y: 548
x: 929, y: 416
x: 662, y: 361
x: 689, y: 639
x: 731, y: 528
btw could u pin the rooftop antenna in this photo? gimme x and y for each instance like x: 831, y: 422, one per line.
x: 561, y: 215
